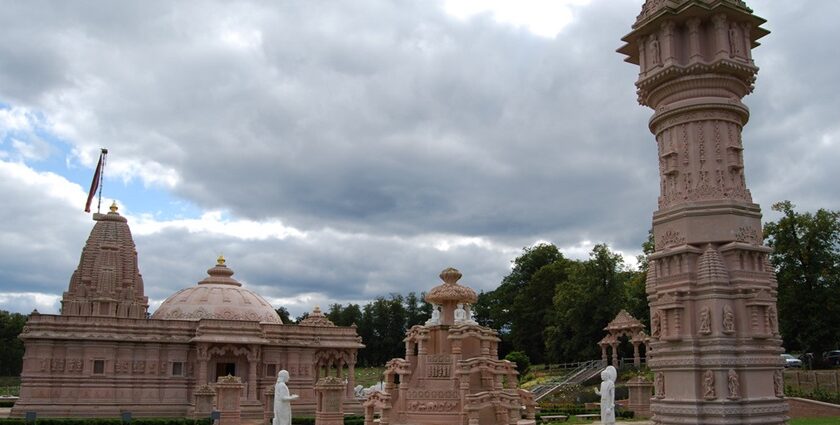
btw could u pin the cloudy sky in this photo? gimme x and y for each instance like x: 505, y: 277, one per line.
x: 337, y: 151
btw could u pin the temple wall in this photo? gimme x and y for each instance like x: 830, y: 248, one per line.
x: 99, y: 367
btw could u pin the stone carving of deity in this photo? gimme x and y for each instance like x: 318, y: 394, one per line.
x: 772, y: 320
x: 734, y: 43
x: 709, y: 385
x: 659, y: 385
x: 778, y: 383
x: 654, y: 50
x: 655, y: 324
x: 734, y: 385
x: 705, y: 321
x: 607, y: 393
x: 728, y: 320
x: 282, y: 400
x: 435, y: 319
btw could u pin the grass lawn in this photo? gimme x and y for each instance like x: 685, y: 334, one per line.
x: 815, y: 421
x: 9, y: 385
x: 367, y: 376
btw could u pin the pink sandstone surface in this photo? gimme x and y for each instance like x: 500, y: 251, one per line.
x: 712, y: 292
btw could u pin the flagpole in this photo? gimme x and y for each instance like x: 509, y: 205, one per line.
x: 96, y: 183
x: 104, y: 154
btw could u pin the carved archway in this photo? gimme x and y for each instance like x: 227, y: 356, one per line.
x: 624, y: 325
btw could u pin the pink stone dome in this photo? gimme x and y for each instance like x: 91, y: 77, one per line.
x: 218, y: 296
x: 450, y: 290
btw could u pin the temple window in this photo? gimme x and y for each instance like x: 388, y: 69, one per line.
x: 270, y: 370
x: 177, y: 368
x: 99, y: 367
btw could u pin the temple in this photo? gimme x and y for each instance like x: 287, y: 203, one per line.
x: 103, y: 355
x: 451, y: 373
x: 714, y: 342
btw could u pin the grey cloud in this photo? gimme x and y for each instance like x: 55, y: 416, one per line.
x: 391, y: 121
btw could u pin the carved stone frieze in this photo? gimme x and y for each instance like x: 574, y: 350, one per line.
x: 670, y: 239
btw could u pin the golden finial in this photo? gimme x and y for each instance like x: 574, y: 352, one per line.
x: 221, y: 260
x: 114, y: 207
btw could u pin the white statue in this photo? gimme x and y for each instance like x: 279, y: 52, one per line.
x: 470, y: 320
x: 282, y: 400
x: 372, y: 389
x: 607, y: 393
x: 460, y: 314
x: 358, y: 391
x: 435, y: 319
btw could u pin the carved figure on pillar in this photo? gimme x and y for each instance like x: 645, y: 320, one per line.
x: 728, y: 320
x: 659, y: 385
x: 705, y: 321
x: 734, y: 385
x: 709, y: 385
x: 772, y: 320
x: 655, y: 51
x: 282, y: 400
x: 655, y: 324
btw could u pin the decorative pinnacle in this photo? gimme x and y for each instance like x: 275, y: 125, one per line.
x: 114, y: 207
x: 450, y: 275
x: 221, y: 260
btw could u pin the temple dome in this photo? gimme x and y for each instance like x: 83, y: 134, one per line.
x: 218, y: 296
x: 450, y: 290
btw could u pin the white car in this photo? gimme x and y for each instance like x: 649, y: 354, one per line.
x: 791, y: 361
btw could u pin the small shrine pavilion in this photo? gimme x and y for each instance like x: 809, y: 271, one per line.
x: 451, y: 373
x: 624, y: 325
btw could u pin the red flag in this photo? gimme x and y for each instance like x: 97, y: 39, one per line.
x: 95, y: 183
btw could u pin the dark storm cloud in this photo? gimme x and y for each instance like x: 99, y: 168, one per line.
x: 375, y: 117
x: 371, y: 125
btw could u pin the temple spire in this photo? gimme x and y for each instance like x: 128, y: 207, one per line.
x: 107, y: 281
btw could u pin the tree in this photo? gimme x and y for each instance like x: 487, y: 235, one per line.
x: 584, y: 304
x: 520, y: 306
x: 636, y: 302
x: 806, y: 255
x: 283, y: 312
x: 522, y: 361
x: 11, y: 348
x: 415, y: 310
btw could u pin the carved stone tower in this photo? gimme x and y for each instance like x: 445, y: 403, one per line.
x: 714, y: 327
x: 107, y: 281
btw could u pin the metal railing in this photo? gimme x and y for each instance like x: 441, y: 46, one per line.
x: 581, y: 373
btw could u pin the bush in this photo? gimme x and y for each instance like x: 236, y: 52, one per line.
x: 521, y: 359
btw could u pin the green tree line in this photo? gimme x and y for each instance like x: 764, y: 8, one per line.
x: 11, y: 348
x: 381, y: 323
x: 554, y: 308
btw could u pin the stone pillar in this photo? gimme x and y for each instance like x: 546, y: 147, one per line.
x: 351, y: 375
x: 228, y: 394
x: 329, y: 401
x: 268, y: 404
x: 640, y: 390
x: 203, y: 401
x: 637, y: 360
x: 254, y: 356
x: 708, y: 268
x: 614, y: 347
x: 203, y: 357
